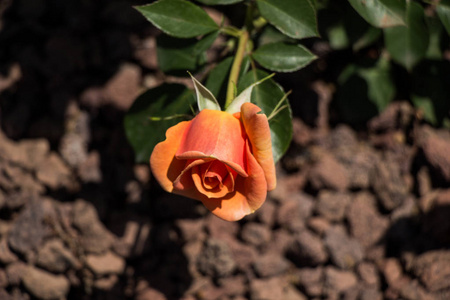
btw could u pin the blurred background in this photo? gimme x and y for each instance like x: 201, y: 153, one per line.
x: 362, y: 207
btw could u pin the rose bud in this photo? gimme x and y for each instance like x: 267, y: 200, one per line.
x: 224, y: 160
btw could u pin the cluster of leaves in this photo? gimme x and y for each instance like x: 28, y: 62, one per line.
x: 399, y: 49
x: 268, y: 40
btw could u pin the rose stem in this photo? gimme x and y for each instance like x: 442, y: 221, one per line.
x: 236, y: 67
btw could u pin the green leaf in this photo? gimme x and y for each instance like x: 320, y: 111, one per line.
x: 381, y: 13
x: 270, y: 34
x: 294, y: 18
x: 178, y: 18
x: 246, y: 62
x: 369, y: 37
x: 443, y: 11
x: 219, y: 2
x: 430, y: 90
x: 205, y: 42
x: 364, y: 91
x: 337, y: 36
x: 217, y: 79
x: 282, y: 57
x: 182, y: 54
x: 425, y: 105
x: 435, y: 30
x: 205, y: 99
x: 161, y: 102
x: 408, y: 45
x: 381, y: 89
x: 446, y: 123
x: 344, y: 27
x: 266, y: 96
x: 244, y: 96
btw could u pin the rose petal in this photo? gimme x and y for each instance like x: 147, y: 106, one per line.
x: 250, y: 193
x: 218, y: 192
x: 184, y: 180
x: 215, y: 174
x: 165, y: 167
x: 215, y: 134
x: 211, y: 181
x: 216, y: 170
x: 258, y: 132
x: 184, y: 185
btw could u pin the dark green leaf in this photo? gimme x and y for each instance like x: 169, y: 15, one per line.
x: 408, y: 45
x: 219, y: 2
x: 443, y: 11
x: 345, y: 28
x: 424, y: 103
x: 337, y: 36
x: 381, y: 89
x: 266, y: 96
x: 163, y: 101
x: 381, y: 13
x: 431, y: 91
x: 217, y: 79
x: 435, y: 30
x: 246, y: 62
x: 294, y: 18
x: 364, y: 91
x: 182, y: 54
x: 282, y: 57
x: 179, y: 18
x: 446, y: 123
x: 271, y: 35
x: 371, y: 35
x: 205, y: 42
x: 360, y: 33
x: 245, y: 96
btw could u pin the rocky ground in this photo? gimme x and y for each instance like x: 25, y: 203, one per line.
x: 356, y: 215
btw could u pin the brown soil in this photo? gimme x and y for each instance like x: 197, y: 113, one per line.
x: 356, y: 214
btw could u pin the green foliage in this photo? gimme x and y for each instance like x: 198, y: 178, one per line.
x: 219, y: 2
x: 381, y: 13
x: 386, y: 49
x: 153, y: 113
x: 364, y: 91
x: 408, y: 37
x: 294, y: 18
x: 431, y: 90
x: 408, y: 44
x: 178, y: 18
x: 245, y: 96
x: 267, y: 95
x: 186, y: 54
x: 348, y: 29
x: 443, y: 11
x: 280, y: 57
x: 217, y: 78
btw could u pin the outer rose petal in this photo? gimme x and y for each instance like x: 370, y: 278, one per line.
x: 165, y: 167
x: 258, y: 132
x: 215, y: 134
x: 250, y: 193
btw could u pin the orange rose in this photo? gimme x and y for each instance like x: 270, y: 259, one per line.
x: 222, y: 159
